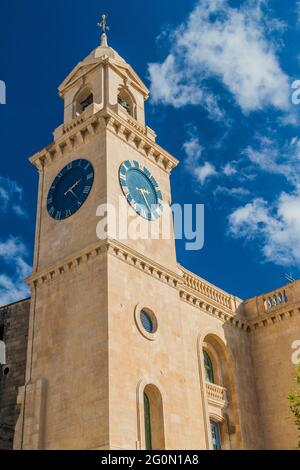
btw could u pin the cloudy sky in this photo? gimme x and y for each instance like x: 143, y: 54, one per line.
x: 221, y: 75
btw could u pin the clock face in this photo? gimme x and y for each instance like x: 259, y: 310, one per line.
x: 70, y: 189
x: 141, y: 189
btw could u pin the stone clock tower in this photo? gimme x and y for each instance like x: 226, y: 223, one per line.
x: 126, y: 348
x: 84, y: 359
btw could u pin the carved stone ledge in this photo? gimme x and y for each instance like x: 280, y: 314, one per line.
x: 210, y: 308
x: 80, y: 130
x: 276, y: 317
x: 113, y: 248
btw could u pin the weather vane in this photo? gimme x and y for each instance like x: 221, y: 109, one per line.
x: 103, y: 24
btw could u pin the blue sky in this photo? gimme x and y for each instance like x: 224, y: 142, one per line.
x: 220, y: 74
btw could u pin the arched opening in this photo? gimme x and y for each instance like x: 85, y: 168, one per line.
x: 153, y: 419
x: 217, y: 376
x: 126, y: 101
x: 215, y: 435
x: 83, y: 100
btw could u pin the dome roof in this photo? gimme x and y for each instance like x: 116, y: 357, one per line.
x: 105, y: 50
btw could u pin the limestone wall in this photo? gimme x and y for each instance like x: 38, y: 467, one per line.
x: 14, y: 318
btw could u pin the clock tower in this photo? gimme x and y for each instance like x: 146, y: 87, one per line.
x: 100, y: 307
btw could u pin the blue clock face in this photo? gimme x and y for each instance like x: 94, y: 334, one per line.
x: 141, y: 189
x: 70, y: 189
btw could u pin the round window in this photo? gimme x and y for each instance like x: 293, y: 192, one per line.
x: 147, y: 322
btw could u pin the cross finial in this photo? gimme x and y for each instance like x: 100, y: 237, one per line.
x: 103, y: 25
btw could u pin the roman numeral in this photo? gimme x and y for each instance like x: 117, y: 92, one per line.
x: 68, y: 213
x: 51, y: 210
x: 50, y: 200
x: 90, y: 176
x: 70, y: 166
x: 87, y: 167
x: 87, y: 190
x: 58, y: 215
x: 79, y: 204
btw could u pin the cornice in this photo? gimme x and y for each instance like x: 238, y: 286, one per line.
x: 131, y: 257
x: 212, y: 308
x: 144, y: 264
x: 114, y: 248
x: 67, y: 264
x: 275, y: 316
x: 173, y: 279
x: 80, y: 130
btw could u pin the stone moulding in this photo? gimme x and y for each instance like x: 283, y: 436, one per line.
x: 212, y: 308
x: 79, y: 130
x: 140, y: 262
x: 113, y: 248
x: 274, y: 317
x: 188, y: 291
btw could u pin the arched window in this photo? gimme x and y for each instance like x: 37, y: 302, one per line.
x: 209, y: 371
x: 215, y: 435
x: 84, y: 99
x: 153, y: 419
x: 125, y: 100
x: 148, y: 430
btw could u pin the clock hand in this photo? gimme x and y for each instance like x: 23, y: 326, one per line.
x: 143, y: 192
x: 70, y: 190
x: 146, y: 201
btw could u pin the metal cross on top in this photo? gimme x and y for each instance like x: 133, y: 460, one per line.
x: 103, y: 25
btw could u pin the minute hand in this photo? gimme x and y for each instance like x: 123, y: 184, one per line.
x: 143, y: 192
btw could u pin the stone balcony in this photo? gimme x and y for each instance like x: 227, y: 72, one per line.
x: 216, y: 395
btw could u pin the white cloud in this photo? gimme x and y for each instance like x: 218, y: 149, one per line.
x: 226, y: 43
x: 204, y: 172
x: 193, y: 150
x: 272, y: 158
x: 13, y: 255
x: 276, y: 229
x: 229, y: 169
x: 200, y: 170
x: 11, y: 197
x: 237, y: 192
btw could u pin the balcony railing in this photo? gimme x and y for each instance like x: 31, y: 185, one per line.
x: 216, y: 395
x: 208, y: 290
